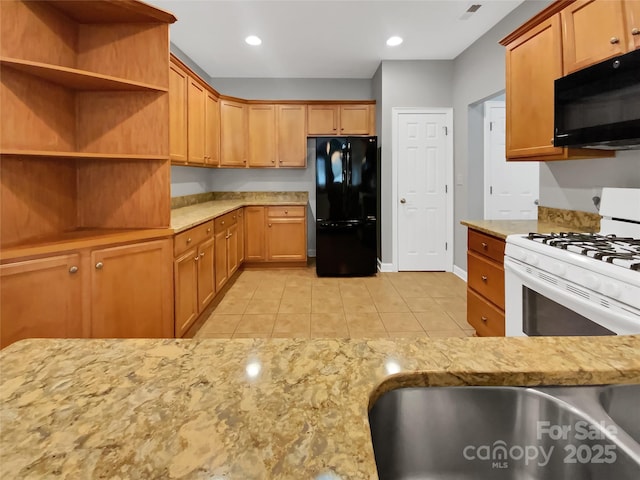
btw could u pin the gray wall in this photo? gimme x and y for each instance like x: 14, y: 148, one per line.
x: 479, y: 73
x: 295, y: 88
x: 406, y: 83
x: 572, y: 184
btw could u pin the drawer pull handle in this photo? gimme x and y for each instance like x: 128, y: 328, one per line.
x: 73, y: 269
x: 484, y: 245
x: 484, y: 278
x: 189, y: 240
x: 484, y: 319
x: 99, y: 265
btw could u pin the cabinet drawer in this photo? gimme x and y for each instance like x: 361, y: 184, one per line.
x: 486, y: 278
x: 192, y: 237
x: 225, y: 221
x: 286, y: 211
x: 483, y: 316
x: 486, y: 245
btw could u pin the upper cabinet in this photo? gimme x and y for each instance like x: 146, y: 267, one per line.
x: 212, y: 130
x: 233, y: 133
x: 178, y: 81
x: 341, y: 119
x: 594, y: 30
x: 262, y: 141
x: 534, y: 60
x: 196, y: 101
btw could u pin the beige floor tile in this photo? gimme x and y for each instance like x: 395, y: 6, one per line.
x: 400, y: 322
x: 329, y: 322
x: 203, y: 335
x: 298, y: 281
x: 232, y: 306
x: 423, y: 304
x: 297, y: 291
x: 359, y: 305
x: 353, y: 291
x: 258, y: 323
x: 326, y: 305
x: 344, y: 333
x: 290, y: 335
x: 390, y: 304
x: 326, y: 282
x: 263, y: 305
x: 269, y: 291
x: 410, y: 290
x: 455, y: 309
x: 446, y: 333
x: 295, y: 305
x: 362, y: 323
x: 221, y: 323
x: 325, y: 292
x: 435, y: 320
x: 251, y: 335
x: 421, y: 333
x: 293, y: 322
x: 368, y: 334
x: 240, y: 292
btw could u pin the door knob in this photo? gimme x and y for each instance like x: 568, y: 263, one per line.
x: 403, y: 200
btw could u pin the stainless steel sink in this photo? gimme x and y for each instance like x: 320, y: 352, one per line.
x: 622, y: 404
x: 500, y: 433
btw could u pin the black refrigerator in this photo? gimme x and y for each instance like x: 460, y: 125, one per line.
x: 346, y: 193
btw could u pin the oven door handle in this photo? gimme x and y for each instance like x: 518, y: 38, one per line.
x: 624, y: 324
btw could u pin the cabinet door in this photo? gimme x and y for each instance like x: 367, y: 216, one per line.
x: 534, y: 61
x: 286, y: 239
x: 254, y: 234
x: 197, y: 97
x: 220, y: 259
x: 322, y: 119
x: 41, y: 298
x: 632, y: 10
x: 292, y: 135
x: 206, y: 275
x: 132, y: 291
x: 178, y: 80
x: 262, y: 136
x: 240, y: 236
x: 592, y: 31
x: 232, y: 249
x: 212, y: 130
x: 185, y: 271
x: 233, y: 134
x: 354, y: 119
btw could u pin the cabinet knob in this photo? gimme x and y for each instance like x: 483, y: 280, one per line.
x: 197, y: 258
x: 201, y: 254
x: 222, y: 222
x: 484, y: 245
x: 286, y: 212
x: 269, y: 225
x: 635, y: 31
x: 99, y: 265
x: 189, y: 240
x: 209, y: 230
x: 484, y: 278
x: 234, y: 217
x: 614, y: 40
x: 551, y: 141
x: 273, y: 161
x: 484, y: 319
x: 73, y: 269
x: 230, y: 235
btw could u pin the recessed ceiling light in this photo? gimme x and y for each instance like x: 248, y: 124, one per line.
x: 253, y: 40
x: 394, y: 41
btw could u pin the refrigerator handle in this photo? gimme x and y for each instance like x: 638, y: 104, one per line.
x: 348, y: 179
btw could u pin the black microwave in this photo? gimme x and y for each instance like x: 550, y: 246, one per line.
x: 599, y: 106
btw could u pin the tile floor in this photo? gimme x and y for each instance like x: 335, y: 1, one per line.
x: 296, y: 303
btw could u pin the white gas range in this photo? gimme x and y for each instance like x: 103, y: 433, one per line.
x: 577, y: 283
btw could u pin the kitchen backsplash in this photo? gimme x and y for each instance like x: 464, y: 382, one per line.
x: 186, y: 200
x: 570, y: 218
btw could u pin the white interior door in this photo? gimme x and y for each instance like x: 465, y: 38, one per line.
x: 511, y: 188
x: 422, y: 191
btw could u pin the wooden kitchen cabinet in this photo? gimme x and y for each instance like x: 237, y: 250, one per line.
x: 356, y: 120
x: 194, y: 274
x: 227, y: 251
x: 594, y: 30
x: 485, y: 284
x: 132, y: 291
x: 341, y: 119
x: 178, y: 140
x: 212, y: 131
x: 533, y: 62
x: 323, y: 119
x: 41, y: 298
x: 286, y: 234
x: 240, y: 218
x: 291, y: 135
x: 233, y: 134
x: 254, y: 220
x: 262, y: 135
x: 197, y: 99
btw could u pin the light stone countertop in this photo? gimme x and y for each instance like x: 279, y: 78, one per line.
x: 503, y: 228
x: 187, y: 217
x: 249, y: 408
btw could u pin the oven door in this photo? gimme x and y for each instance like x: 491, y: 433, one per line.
x: 538, y: 303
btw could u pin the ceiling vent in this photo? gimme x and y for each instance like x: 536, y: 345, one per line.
x: 473, y: 8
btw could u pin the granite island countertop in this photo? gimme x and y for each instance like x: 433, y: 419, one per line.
x: 249, y: 408
x: 189, y: 216
x: 503, y: 228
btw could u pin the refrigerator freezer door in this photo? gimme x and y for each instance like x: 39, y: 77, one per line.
x: 346, y: 248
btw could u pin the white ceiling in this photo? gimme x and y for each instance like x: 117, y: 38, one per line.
x: 324, y: 39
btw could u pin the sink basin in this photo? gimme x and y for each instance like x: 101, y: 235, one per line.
x: 622, y: 404
x: 501, y: 433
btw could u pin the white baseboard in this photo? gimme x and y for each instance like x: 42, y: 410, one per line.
x: 311, y: 252
x: 458, y: 272
x: 385, y: 267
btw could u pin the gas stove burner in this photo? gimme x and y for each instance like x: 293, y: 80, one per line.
x: 623, y: 251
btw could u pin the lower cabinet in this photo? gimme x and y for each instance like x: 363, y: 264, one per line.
x: 254, y: 222
x: 194, y: 276
x: 41, y: 298
x: 286, y: 234
x: 227, y: 247
x: 111, y: 291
